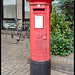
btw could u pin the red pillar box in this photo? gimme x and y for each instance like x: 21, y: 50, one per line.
x: 40, y: 63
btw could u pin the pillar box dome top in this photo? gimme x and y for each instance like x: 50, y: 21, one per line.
x: 44, y: 1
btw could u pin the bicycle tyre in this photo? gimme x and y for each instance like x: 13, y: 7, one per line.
x: 22, y: 37
x: 28, y: 33
x: 11, y: 34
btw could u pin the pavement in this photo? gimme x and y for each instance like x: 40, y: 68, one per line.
x: 14, y: 58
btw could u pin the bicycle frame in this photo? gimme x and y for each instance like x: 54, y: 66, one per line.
x: 21, y: 35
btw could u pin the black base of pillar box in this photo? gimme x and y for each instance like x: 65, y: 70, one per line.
x: 40, y: 68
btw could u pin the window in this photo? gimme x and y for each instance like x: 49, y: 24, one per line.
x: 9, y: 13
x: 27, y: 14
x: 27, y: 10
x: 9, y: 8
x: 7, y: 23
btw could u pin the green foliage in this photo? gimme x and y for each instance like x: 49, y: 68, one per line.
x: 68, y: 9
x: 61, y: 39
x: 58, y: 23
x: 64, y: 0
x: 60, y: 45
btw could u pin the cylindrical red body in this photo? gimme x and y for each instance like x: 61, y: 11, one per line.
x: 40, y: 37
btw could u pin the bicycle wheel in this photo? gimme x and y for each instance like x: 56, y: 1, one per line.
x: 28, y: 33
x: 22, y: 37
x: 11, y: 34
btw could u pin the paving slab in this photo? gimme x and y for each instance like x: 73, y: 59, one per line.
x: 14, y: 58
